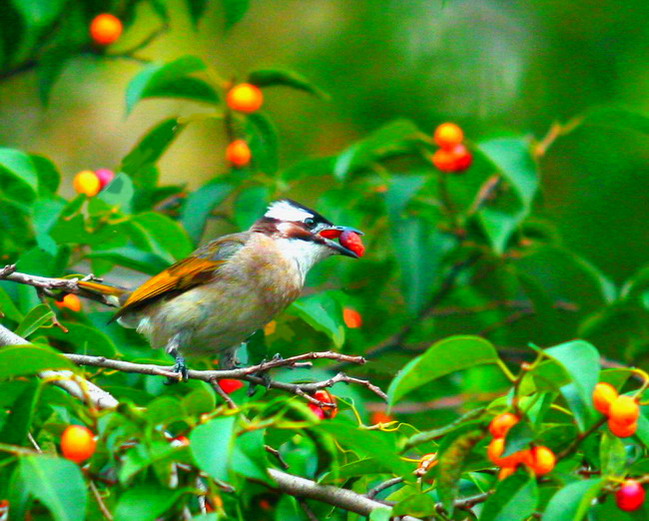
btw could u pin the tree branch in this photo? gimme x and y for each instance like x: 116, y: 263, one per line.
x: 75, y: 385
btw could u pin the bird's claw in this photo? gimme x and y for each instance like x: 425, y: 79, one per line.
x: 181, y: 368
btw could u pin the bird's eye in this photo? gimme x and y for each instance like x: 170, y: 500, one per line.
x: 310, y: 222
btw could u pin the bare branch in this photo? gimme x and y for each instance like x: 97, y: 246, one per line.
x: 373, y: 492
x: 67, y: 380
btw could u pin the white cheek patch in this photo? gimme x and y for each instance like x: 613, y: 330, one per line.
x: 304, y: 253
x: 285, y: 211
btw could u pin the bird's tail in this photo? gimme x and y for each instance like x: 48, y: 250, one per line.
x: 112, y: 295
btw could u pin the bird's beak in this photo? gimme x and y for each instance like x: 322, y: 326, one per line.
x: 333, y: 232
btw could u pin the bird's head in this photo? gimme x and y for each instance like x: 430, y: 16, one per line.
x: 302, y: 233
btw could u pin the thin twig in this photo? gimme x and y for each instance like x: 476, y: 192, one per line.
x: 373, y: 492
x: 219, y: 390
x: 278, y: 455
x: 581, y: 437
x: 100, y: 501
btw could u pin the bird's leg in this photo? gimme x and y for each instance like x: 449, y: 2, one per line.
x: 180, y: 367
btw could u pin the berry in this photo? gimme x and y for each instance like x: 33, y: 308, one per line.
x: 427, y: 462
x: 603, y: 395
x: 105, y: 29
x: 500, y: 425
x: 238, y: 153
x: 380, y: 417
x: 542, y: 461
x: 70, y: 301
x: 352, y: 241
x: 496, y: 449
x: 456, y: 159
x: 505, y: 472
x: 86, y: 182
x: 327, y: 411
x: 245, y: 97
x: 448, y: 135
x: 105, y: 177
x: 622, y: 430
x: 624, y: 410
x: 78, y: 443
x: 270, y: 328
x: 352, y: 318
x: 179, y: 441
x: 230, y: 385
x: 630, y: 496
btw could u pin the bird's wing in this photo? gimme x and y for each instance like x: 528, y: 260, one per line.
x: 200, y: 267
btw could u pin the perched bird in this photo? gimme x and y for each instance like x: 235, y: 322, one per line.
x: 219, y: 296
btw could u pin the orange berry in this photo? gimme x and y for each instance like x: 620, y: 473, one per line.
x: 456, y: 159
x: 105, y: 29
x: 352, y: 318
x: 238, y: 153
x: 622, y: 430
x: 603, y: 395
x: 448, y: 135
x: 624, y: 410
x: 380, y: 417
x: 270, y: 328
x: 500, y: 425
x: 381, y: 189
x: 505, y: 472
x: 327, y: 411
x: 86, y: 182
x: 78, y: 443
x: 630, y: 496
x: 245, y: 97
x: 70, y: 301
x: 543, y: 460
x: 229, y: 385
x: 495, y: 451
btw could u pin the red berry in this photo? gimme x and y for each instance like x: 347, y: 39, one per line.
x: 105, y: 176
x: 456, y: 159
x: 500, y: 425
x: 630, y: 496
x: 238, y: 153
x: 327, y: 411
x: 352, y: 318
x: 229, y: 385
x: 352, y: 241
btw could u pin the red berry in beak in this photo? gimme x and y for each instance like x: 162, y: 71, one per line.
x: 352, y: 241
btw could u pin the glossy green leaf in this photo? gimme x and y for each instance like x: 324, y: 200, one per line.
x: 211, y: 445
x: 612, y: 455
x: 515, y: 499
x: 572, y: 502
x: 30, y: 359
x: 616, y: 118
x: 39, y: 13
x: 419, y: 505
x: 146, y: 153
x: 401, y: 190
x: 199, y: 205
x: 49, y: 177
x: 19, y: 167
x: 119, y: 192
x: 442, y: 358
x: 263, y: 142
x: 58, y: 484
x: 129, y: 257
x: 249, y: 457
x: 580, y: 360
x: 22, y: 410
x: 518, y: 438
x: 250, y: 205
x: 323, y: 313
x: 196, y: 9
x: 37, y: 317
x: 8, y: 308
x: 274, y: 77
x: 390, y: 139
x: 171, y: 80
x: 145, y: 502
x: 164, y: 234
x: 234, y: 11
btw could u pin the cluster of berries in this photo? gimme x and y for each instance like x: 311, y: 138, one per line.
x: 91, y: 183
x: 538, y: 459
x: 622, y: 411
x: 452, y: 155
x: 246, y: 98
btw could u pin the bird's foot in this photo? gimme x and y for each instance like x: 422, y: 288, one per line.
x: 179, y: 367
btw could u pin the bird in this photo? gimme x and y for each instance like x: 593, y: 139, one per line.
x: 214, y: 300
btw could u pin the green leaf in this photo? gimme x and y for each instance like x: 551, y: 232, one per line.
x: 572, y: 502
x: 234, y: 11
x: 323, y: 313
x: 442, y: 358
x: 170, y: 80
x: 119, y: 192
x: 515, y: 499
x: 616, y: 118
x: 381, y: 514
x: 518, y: 438
x: 52, y: 63
x: 273, y: 77
x: 165, y: 235
x: 58, y: 484
x: 37, y: 317
x: 263, y: 142
x: 196, y: 9
x: 38, y: 13
x: 211, y: 445
x: 29, y: 359
x: 49, y: 178
x: 22, y: 409
x: 250, y: 205
x: 395, y: 137
x: 580, y: 360
x: 249, y: 457
x: 612, y: 455
x: 145, y: 502
x: 138, y: 163
x: 401, y: 190
x: 500, y: 218
x: 428, y: 436
x: 419, y: 505
x: 129, y: 257
x: 85, y: 339
x: 19, y: 166
x: 199, y: 205
x: 8, y: 308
